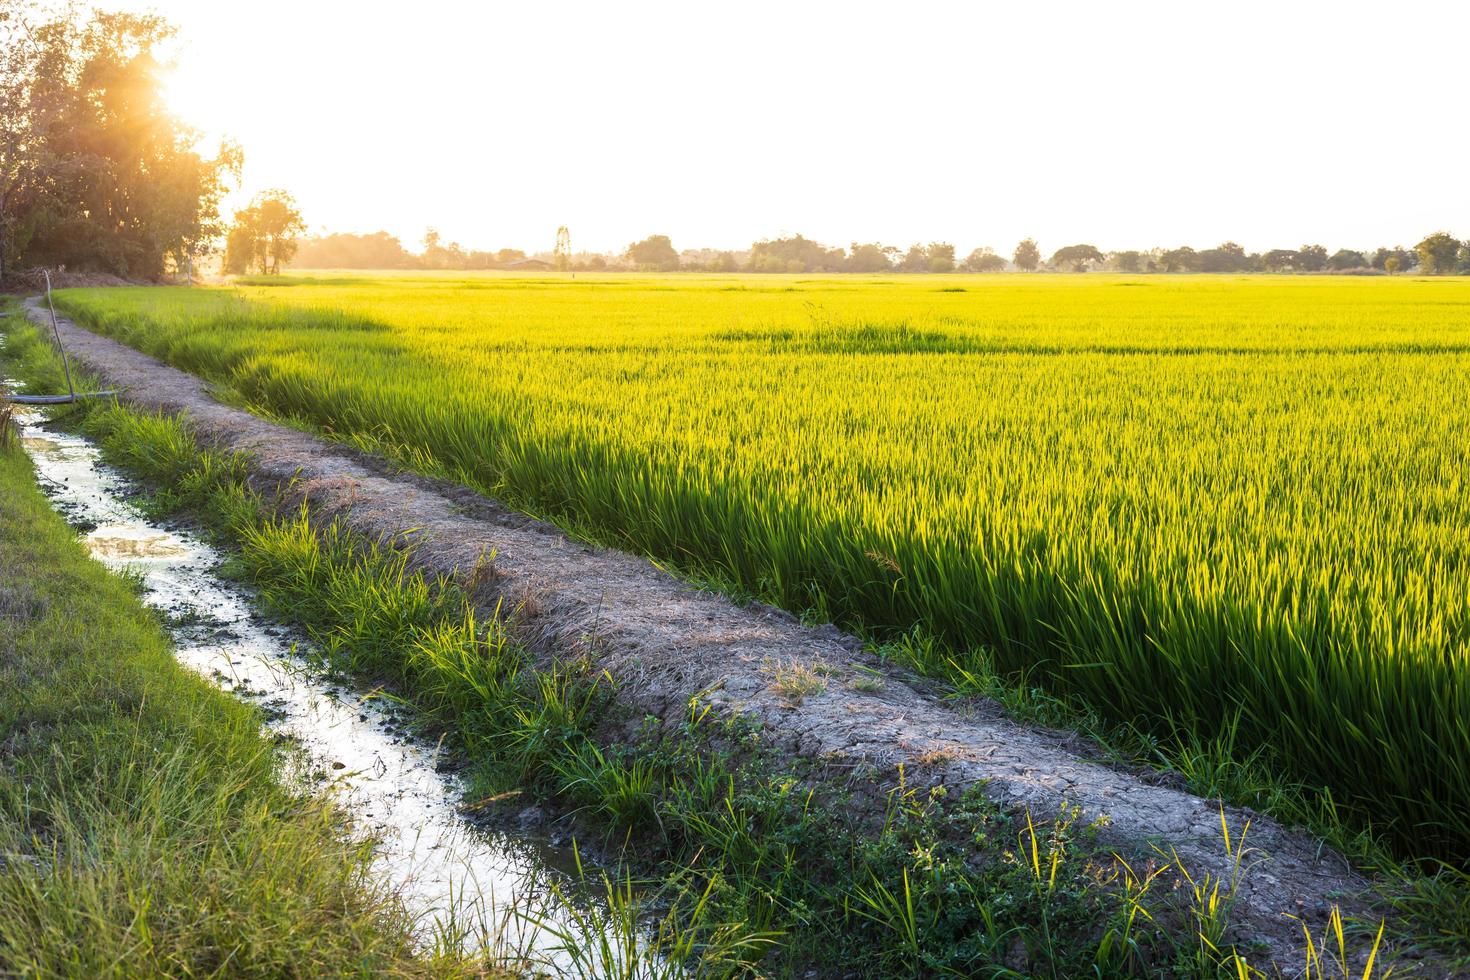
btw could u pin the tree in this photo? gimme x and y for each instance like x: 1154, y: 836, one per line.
x: 795, y: 254
x: 1407, y: 258
x: 24, y: 170
x: 94, y: 170
x: 1281, y: 260
x: 1437, y: 254
x: 562, y: 255
x: 240, y: 245
x: 916, y: 259
x: 941, y: 257
x: 654, y: 254
x: 724, y: 262
x: 983, y: 260
x: 280, y: 227
x: 1182, y: 259
x: 1228, y: 257
x: 1391, y: 264
x: 438, y: 255
x: 1312, y: 258
x: 266, y: 234
x: 871, y: 257
x: 1076, y: 256
x: 1344, y: 259
x: 1028, y: 255
x: 1130, y: 261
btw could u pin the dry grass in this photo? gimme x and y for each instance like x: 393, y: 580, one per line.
x: 796, y: 682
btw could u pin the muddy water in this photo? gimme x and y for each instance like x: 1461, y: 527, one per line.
x: 447, y: 870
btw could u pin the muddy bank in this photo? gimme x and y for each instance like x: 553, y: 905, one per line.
x: 666, y: 643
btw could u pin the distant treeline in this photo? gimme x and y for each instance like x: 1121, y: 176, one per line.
x: 381, y: 250
x: 1439, y: 253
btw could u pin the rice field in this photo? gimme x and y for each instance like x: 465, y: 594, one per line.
x: 1194, y: 502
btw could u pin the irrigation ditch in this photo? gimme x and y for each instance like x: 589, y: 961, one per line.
x: 516, y: 889
x: 810, y: 696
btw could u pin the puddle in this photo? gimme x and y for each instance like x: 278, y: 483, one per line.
x: 447, y: 870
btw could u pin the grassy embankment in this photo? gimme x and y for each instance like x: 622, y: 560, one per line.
x: 1225, y: 512
x: 144, y: 829
x: 749, y: 854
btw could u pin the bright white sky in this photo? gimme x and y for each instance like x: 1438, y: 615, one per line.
x: 1122, y: 125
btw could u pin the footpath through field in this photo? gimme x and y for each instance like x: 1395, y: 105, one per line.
x: 667, y: 643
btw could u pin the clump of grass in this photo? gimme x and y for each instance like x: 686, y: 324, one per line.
x: 617, y: 936
x: 797, y: 681
x: 1439, y: 904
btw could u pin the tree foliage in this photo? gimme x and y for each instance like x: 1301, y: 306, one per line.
x: 654, y: 254
x: 1312, y: 258
x: 1346, y: 258
x: 983, y: 260
x: 725, y: 261
x: 95, y: 173
x: 795, y: 254
x: 1402, y: 259
x: 1182, y: 259
x: 1077, y: 257
x: 1282, y: 260
x: 1438, y: 253
x: 265, y: 235
x: 934, y: 257
x: 1127, y: 261
x: 870, y: 257
x: 1227, y: 257
x: 1028, y: 255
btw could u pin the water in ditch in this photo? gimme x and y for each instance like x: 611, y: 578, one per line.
x: 464, y: 883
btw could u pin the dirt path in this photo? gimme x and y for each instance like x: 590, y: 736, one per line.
x: 665, y: 642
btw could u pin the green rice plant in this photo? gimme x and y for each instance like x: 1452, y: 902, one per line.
x: 1193, y: 504
x: 1328, y: 958
x: 627, y: 936
x: 624, y: 795
x: 1209, y: 900
x: 896, y: 910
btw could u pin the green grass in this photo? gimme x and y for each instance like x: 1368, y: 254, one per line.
x: 143, y: 827
x: 1195, y: 505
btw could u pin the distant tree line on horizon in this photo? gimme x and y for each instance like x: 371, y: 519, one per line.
x: 1437, y: 254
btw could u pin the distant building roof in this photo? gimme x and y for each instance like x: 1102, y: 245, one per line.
x: 527, y: 264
